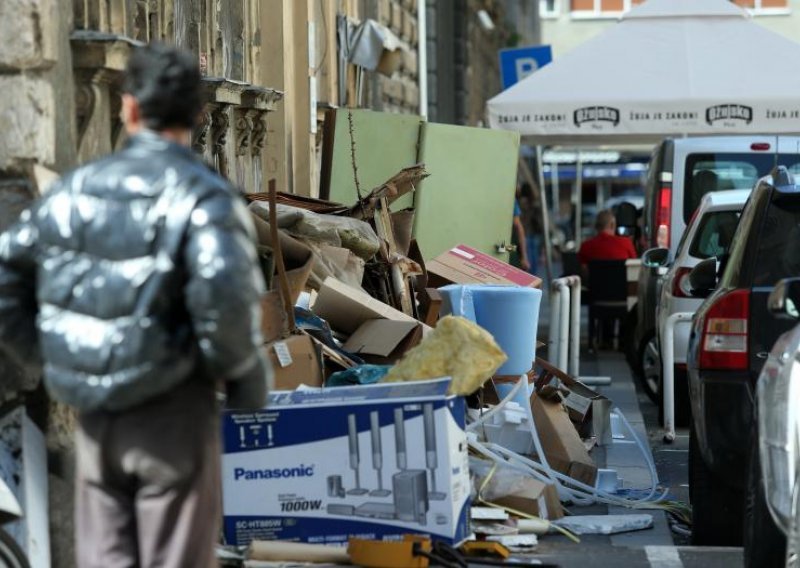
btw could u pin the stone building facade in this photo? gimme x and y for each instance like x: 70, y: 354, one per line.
x: 60, y: 77
x: 61, y: 71
x: 463, y: 62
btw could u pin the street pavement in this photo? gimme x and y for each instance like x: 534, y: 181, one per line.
x: 658, y: 547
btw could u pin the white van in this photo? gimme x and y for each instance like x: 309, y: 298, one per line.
x: 681, y: 172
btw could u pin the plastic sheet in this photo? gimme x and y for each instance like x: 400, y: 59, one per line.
x: 361, y: 375
x: 505, y: 480
x: 456, y: 348
x: 605, y: 524
x: 332, y: 230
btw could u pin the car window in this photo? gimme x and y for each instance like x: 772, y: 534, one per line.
x: 714, y: 235
x: 733, y: 271
x: 722, y: 171
x: 684, y: 236
x: 778, y: 254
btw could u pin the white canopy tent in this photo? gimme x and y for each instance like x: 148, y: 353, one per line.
x: 669, y: 67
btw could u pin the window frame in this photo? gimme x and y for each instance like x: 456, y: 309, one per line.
x: 758, y: 10
x: 545, y: 14
x: 598, y: 14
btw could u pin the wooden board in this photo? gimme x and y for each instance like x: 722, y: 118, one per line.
x: 385, y: 144
x: 469, y: 196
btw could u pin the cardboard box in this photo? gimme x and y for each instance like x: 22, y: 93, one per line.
x: 590, y: 411
x: 303, y: 469
x: 562, y: 446
x: 534, y: 497
x: 382, y: 342
x: 465, y: 265
x: 296, y: 361
x: 347, y: 308
x: 273, y: 316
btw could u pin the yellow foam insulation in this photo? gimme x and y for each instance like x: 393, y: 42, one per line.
x: 456, y: 348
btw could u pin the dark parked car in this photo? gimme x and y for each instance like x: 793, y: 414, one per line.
x: 772, y: 480
x: 732, y: 334
x: 680, y: 173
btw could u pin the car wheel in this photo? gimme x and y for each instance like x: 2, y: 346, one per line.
x: 650, y: 367
x: 764, y: 543
x: 11, y: 555
x: 716, y: 507
x: 793, y: 539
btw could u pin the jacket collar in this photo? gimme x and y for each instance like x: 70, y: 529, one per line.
x: 151, y: 141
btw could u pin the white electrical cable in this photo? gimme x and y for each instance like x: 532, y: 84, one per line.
x: 498, y: 407
x: 579, y: 486
x: 569, y: 489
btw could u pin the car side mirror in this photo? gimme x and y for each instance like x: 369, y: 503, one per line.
x: 703, y: 278
x: 784, y: 301
x: 655, y: 257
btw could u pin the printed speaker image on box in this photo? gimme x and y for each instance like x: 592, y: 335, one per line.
x: 324, y: 465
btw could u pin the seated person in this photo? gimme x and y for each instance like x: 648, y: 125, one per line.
x: 606, y: 245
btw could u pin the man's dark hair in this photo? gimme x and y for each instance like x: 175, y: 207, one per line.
x: 165, y: 81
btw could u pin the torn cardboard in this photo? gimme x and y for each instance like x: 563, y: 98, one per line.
x: 465, y: 265
x: 273, y: 317
x: 382, y: 341
x: 533, y: 497
x: 296, y: 361
x: 561, y: 443
x: 346, y: 308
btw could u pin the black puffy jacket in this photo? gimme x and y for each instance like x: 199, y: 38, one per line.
x: 131, y: 275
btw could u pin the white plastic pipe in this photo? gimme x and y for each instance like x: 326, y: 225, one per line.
x: 668, y: 372
x: 555, y: 321
x: 565, y: 324
x: 563, y: 327
x: 422, y: 57
x: 575, y: 326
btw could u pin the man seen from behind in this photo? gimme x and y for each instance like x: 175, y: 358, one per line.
x: 134, y: 282
x: 606, y: 245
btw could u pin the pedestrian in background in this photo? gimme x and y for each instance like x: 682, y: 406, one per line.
x: 135, y: 279
x: 519, y: 238
x: 531, y: 219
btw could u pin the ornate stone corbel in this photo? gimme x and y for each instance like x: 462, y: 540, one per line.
x: 200, y: 134
x: 98, y: 61
x: 220, y: 122
x: 258, y: 136
x: 244, y: 129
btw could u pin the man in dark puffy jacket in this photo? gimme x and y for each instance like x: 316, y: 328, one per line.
x: 134, y: 282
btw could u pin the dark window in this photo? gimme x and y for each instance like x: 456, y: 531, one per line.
x: 778, y: 253
x: 714, y: 235
x: 719, y: 172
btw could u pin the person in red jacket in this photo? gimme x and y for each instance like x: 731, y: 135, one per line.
x: 606, y: 245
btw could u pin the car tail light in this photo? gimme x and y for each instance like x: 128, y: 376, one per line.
x: 663, y: 217
x: 760, y: 146
x: 680, y: 284
x: 724, y: 341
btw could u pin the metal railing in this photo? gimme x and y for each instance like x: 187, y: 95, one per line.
x: 565, y: 324
x: 668, y: 371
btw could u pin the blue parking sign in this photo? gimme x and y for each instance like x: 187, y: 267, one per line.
x: 519, y: 62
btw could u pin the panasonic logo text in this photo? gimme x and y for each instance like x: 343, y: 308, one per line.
x: 243, y: 474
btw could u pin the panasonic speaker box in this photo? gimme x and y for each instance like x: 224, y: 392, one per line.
x: 370, y: 461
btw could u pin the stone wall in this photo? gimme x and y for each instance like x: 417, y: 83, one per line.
x: 60, y: 76
x: 463, y: 67
x: 400, y: 92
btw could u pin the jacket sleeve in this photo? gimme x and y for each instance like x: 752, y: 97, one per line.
x: 223, y: 298
x: 19, y: 338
